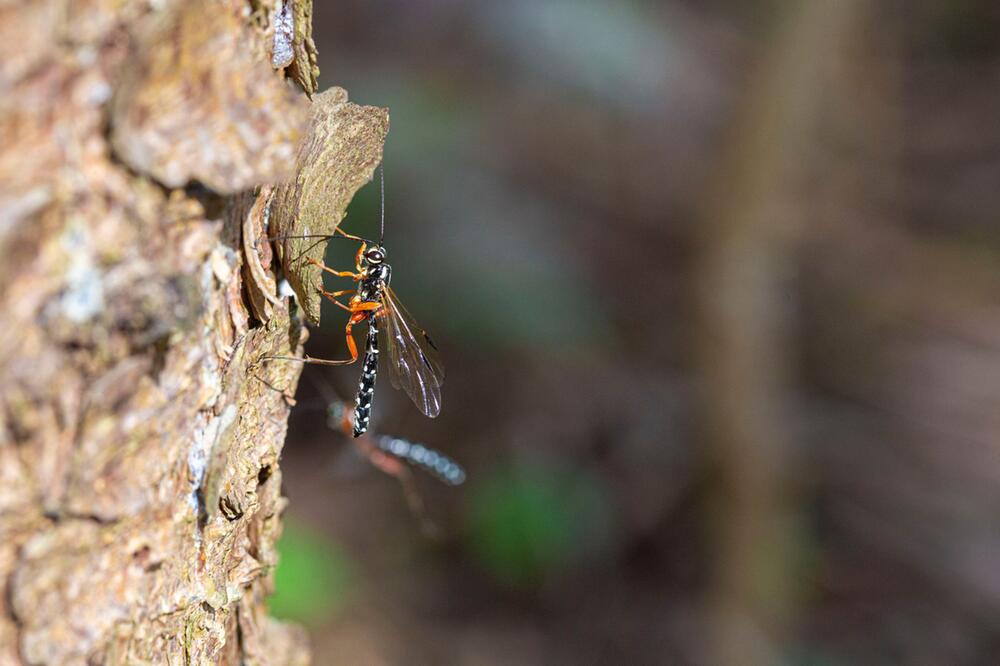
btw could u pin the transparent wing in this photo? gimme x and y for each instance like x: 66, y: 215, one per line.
x: 413, y: 361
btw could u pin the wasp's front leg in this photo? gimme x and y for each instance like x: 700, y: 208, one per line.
x: 323, y: 267
x: 358, y: 258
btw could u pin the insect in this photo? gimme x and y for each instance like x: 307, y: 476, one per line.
x: 414, y: 363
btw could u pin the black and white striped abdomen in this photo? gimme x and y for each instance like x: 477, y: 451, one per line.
x: 369, y: 372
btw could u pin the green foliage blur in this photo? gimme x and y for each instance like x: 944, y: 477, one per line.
x: 530, y: 522
x: 313, y: 577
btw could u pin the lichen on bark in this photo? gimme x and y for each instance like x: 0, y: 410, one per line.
x: 140, y: 434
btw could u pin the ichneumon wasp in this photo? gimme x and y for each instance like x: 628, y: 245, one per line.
x: 414, y: 363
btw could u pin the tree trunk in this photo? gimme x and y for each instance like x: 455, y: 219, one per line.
x: 140, y: 423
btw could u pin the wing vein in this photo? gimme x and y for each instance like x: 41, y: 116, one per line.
x: 414, y: 364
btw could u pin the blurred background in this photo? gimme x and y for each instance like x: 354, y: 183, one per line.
x: 716, y: 284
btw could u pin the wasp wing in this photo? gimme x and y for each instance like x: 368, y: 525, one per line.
x: 413, y: 362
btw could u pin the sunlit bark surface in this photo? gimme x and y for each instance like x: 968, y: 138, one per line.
x: 140, y: 428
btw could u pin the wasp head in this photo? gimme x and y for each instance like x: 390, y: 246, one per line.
x: 375, y: 255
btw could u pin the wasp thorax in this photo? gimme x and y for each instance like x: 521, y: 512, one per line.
x: 375, y: 256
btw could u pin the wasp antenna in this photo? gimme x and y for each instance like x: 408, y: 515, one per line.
x: 325, y: 236
x: 381, y: 188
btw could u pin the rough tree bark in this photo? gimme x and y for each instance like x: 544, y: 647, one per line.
x: 142, y: 149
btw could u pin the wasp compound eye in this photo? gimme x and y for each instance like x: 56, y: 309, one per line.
x: 375, y: 256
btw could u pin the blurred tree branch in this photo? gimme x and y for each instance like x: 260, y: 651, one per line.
x: 748, y: 255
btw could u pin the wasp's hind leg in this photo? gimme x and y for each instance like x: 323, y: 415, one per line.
x: 360, y: 312
x: 352, y: 347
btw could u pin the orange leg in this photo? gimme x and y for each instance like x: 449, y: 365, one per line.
x: 360, y: 311
x: 332, y: 296
x: 365, y: 306
x: 324, y: 267
x: 343, y: 233
x: 352, y: 347
x: 357, y: 257
x: 361, y: 250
